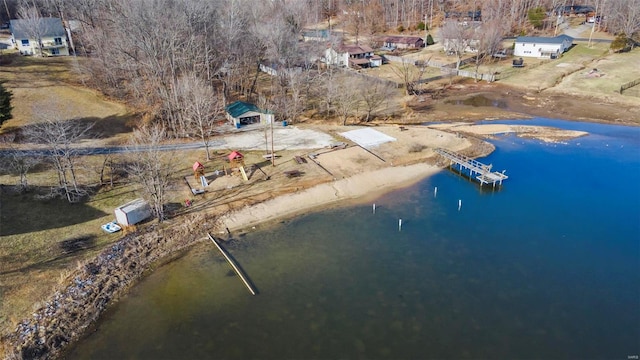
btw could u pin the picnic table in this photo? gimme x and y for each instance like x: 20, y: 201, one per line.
x: 293, y: 173
x: 300, y: 159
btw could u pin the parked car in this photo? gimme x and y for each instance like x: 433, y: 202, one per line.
x: 501, y: 54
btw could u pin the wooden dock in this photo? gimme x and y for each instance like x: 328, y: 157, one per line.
x: 481, y: 171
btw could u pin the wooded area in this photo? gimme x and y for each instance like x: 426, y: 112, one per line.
x: 180, y: 62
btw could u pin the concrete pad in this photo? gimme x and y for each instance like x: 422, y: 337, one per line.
x: 367, y: 137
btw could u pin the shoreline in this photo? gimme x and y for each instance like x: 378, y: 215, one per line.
x: 356, y: 189
x: 77, y: 304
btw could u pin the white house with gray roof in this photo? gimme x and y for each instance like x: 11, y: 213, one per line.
x: 542, y: 47
x: 46, y: 34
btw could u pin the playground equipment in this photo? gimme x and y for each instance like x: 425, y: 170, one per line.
x: 236, y: 160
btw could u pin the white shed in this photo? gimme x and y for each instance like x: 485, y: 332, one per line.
x: 132, y: 212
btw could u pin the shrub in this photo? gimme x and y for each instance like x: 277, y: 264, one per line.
x: 416, y: 148
x: 620, y: 43
x: 400, y: 28
x: 5, y: 103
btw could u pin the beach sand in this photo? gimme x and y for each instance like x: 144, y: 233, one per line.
x: 360, y: 188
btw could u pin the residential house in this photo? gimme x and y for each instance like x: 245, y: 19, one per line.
x: 542, y: 47
x: 357, y: 56
x: 44, y: 36
x: 309, y: 54
x: 241, y: 113
x: 471, y: 45
x: 403, y: 42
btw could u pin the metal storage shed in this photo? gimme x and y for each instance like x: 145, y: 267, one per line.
x: 132, y: 212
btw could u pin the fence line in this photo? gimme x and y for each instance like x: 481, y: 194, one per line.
x: 372, y: 78
x: 630, y: 84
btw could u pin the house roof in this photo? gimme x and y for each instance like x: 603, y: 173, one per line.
x: 238, y: 108
x: 235, y: 155
x: 402, y: 39
x: 362, y: 61
x: 543, y: 40
x: 197, y: 165
x: 355, y: 49
x: 47, y: 27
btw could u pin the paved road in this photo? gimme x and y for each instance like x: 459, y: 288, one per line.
x: 290, y: 138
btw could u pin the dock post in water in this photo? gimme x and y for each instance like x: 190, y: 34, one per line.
x: 233, y: 265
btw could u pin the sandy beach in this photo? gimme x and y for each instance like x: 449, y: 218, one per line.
x: 359, y: 188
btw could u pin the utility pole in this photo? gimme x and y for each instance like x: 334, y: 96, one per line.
x: 430, y: 14
x: 273, y: 156
x: 593, y: 25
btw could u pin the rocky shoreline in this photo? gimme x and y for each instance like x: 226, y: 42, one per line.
x: 86, y: 293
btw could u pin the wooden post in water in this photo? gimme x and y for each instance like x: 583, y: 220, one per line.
x: 233, y: 265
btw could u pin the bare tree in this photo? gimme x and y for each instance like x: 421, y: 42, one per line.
x: 346, y: 99
x: 200, y: 106
x: 353, y: 20
x: 488, y: 43
x: 374, y: 95
x: 60, y: 137
x: 456, y: 37
x: 17, y: 162
x: 150, y: 167
x: 410, y: 74
x: 626, y: 18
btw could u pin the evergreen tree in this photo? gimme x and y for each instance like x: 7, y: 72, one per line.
x: 537, y: 16
x: 5, y: 103
x: 430, y: 40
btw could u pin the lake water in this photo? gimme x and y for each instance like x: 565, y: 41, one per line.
x: 547, y: 267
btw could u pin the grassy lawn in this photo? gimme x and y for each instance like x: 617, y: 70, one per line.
x: 541, y: 74
x: 47, y: 88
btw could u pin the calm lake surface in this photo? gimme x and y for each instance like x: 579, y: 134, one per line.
x: 548, y: 267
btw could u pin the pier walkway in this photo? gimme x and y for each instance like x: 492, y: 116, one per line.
x: 485, y: 175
